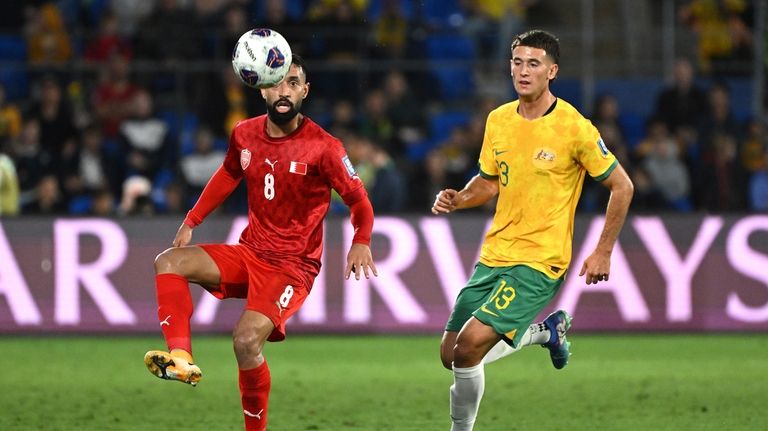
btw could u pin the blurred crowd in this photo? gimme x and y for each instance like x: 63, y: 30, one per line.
x: 695, y: 155
x: 92, y: 125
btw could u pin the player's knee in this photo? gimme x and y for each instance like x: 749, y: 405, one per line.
x: 466, y: 354
x: 167, y: 262
x: 247, y: 343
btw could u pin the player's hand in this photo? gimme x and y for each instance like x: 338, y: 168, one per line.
x: 597, y: 267
x: 183, y: 236
x: 360, y: 261
x: 444, y: 201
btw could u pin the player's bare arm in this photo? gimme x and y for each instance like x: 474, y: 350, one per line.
x: 477, y: 192
x: 597, y: 266
x: 360, y: 261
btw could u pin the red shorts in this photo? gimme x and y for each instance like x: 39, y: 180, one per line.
x: 268, y: 289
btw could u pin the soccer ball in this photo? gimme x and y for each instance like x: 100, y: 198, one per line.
x: 261, y: 58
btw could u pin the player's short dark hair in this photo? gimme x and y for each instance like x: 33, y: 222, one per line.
x: 299, y: 62
x: 539, y: 39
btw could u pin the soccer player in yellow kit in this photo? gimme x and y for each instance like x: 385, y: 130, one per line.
x: 536, y: 152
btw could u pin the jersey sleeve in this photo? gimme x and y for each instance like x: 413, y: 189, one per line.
x: 231, y: 161
x: 593, y: 155
x: 361, y: 216
x: 340, y: 173
x: 487, y: 162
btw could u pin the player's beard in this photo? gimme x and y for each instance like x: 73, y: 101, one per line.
x: 281, y: 118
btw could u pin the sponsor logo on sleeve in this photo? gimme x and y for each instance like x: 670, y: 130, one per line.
x: 603, y: 148
x: 348, y: 165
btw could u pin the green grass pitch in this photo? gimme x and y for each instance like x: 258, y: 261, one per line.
x: 614, y: 382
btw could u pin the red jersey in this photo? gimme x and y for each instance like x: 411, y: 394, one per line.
x: 289, y: 182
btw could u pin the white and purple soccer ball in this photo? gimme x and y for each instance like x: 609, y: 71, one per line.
x: 261, y: 58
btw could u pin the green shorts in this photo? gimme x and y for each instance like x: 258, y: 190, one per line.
x: 506, y: 298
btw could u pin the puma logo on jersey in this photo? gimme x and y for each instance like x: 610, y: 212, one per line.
x: 270, y: 163
x: 165, y: 321
x: 257, y: 415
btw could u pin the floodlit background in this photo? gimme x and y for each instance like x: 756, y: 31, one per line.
x: 114, y: 114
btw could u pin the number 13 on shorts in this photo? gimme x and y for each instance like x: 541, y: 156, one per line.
x: 501, y: 299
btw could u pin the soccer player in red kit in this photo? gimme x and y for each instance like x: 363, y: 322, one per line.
x: 289, y: 164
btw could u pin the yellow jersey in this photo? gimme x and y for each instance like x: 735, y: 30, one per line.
x: 540, y: 165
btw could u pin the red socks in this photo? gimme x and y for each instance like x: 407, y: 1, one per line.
x: 174, y: 311
x: 174, y: 308
x: 254, y: 393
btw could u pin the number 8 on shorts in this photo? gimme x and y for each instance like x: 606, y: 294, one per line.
x: 286, y: 296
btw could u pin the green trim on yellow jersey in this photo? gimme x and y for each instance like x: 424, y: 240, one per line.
x: 488, y: 176
x: 608, y: 172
